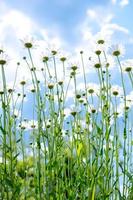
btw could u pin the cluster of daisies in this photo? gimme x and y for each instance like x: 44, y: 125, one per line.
x: 57, y: 74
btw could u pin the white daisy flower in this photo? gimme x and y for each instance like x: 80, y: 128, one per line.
x: 110, y: 62
x: 116, y: 90
x: 127, y: 65
x: 16, y: 113
x: 93, y: 88
x: 23, y: 125
x: 3, y: 58
x: 74, y: 110
x: 32, y: 124
x: 29, y: 42
x: 95, y: 62
x: 92, y: 109
x: 117, y: 50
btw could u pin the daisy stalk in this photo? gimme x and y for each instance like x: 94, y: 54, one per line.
x: 4, y: 124
x: 22, y: 128
x: 56, y: 78
x: 125, y: 123
x: 39, y: 122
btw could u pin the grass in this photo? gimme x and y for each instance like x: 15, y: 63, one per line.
x: 86, y: 154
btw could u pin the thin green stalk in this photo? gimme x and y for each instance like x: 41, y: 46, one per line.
x: 125, y: 126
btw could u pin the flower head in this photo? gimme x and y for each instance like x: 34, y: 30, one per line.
x: 23, y: 125
x: 29, y: 42
x: 74, y: 111
x: 92, y: 109
x: 116, y: 90
x: 51, y: 84
x: 3, y: 58
x: 117, y: 50
x: 127, y: 65
x: 32, y: 124
x: 45, y: 58
x: 93, y: 88
x: 94, y: 62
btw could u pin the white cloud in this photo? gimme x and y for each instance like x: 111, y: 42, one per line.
x: 20, y: 24
x: 15, y: 25
x: 91, y: 13
x: 124, y: 3
x: 121, y: 3
x: 100, y: 23
x: 98, y: 15
x: 111, y: 28
x: 114, y: 2
x: 98, y: 18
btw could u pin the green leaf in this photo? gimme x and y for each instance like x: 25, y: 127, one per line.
x: 3, y: 131
x: 93, y: 193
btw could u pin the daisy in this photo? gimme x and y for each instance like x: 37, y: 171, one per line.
x: 94, y: 61
x: 16, y: 113
x: 46, y: 124
x: 82, y: 100
x: 93, y: 88
x: 116, y: 90
x: 92, y: 109
x: 10, y: 87
x: 3, y: 58
x: 31, y: 88
x: 60, y: 81
x: 127, y: 65
x: 23, y: 125
x: 32, y: 124
x: 109, y: 62
x: 45, y: 58
x: 102, y: 39
x: 29, y: 42
x: 80, y: 93
x: 99, y: 46
x: 117, y: 50
x: 63, y: 56
x: 74, y: 111
x: 53, y: 49
x: 128, y: 103
x: 23, y: 81
x: 51, y: 83
x: 122, y: 108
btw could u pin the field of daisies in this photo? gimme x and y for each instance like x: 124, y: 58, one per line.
x: 62, y: 136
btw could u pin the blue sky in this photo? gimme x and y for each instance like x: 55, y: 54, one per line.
x: 71, y: 23
x: 67, y: 15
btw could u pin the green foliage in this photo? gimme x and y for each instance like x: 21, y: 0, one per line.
x: 84, y: 155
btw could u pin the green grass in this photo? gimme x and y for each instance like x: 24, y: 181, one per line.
x: 85, y: 155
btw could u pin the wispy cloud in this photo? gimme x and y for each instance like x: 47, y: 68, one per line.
x: 16, y: 26
x: 121, y: 3
x: 102, y: 21
x: 97, y: 15
x: 112, y: 27
x: 124, y: 3
x: 114, y: 2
